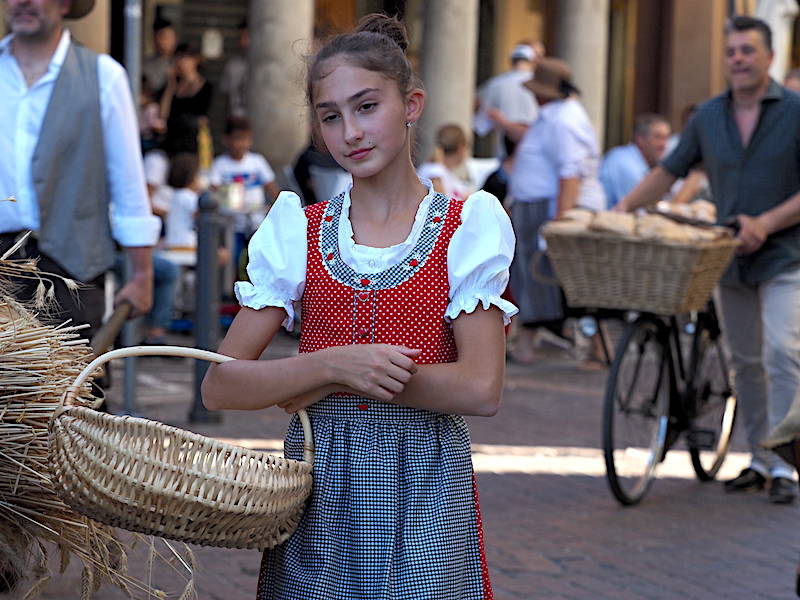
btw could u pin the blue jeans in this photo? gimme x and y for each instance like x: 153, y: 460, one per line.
x: 165, y: 280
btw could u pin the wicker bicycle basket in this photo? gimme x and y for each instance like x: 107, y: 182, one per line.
x: 605, y: 270
x: 144, y: 476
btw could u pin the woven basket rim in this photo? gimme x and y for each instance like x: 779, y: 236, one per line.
x: 609, y: 236
x: 133, y: 472
x: 183, y: 434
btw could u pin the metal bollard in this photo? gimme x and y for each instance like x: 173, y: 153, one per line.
x: 206, y: 317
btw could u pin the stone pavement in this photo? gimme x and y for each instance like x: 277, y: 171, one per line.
x: 553, y: 530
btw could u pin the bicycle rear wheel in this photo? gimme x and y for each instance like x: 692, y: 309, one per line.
x: 636, y: 410
x: 714, y: 405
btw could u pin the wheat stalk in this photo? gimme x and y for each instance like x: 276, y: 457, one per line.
x: 37, y: 363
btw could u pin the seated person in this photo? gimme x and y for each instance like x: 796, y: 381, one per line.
x: 625, y: 166
x: 447, y: 168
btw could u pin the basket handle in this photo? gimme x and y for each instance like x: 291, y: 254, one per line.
x: 72, y: 391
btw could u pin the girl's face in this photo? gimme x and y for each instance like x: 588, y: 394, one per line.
x: 362, y: 117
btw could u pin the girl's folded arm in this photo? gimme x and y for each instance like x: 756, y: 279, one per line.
x: 473, y: 385
x: 251, y: 384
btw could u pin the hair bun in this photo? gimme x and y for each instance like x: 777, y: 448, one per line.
x: 381, y: 24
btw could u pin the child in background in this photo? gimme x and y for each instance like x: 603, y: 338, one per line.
x: 183, y: 178
x: 447, y: 167
x: 402, y: 335
x: 240, y: 165
x: 252, y: 171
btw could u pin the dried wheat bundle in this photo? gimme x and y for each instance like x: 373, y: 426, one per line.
x: 37, y: 363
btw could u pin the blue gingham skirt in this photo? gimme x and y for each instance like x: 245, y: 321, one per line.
x: 392, y: 513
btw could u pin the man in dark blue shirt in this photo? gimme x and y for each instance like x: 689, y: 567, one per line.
x: 748, y: 139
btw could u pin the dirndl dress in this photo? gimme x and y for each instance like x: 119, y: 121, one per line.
x: 393, y: 512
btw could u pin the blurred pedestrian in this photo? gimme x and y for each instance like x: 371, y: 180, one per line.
x: 503, y: 93
x: 625, y: 166
x: 555, y: 169
x: 151, y: 126
x: 184, y: 179
x: 186, y: 99
x: 402, y: 334
x: 309, y: 164
x: 239, y: 165
x: 155, y: 68
x: 746, y: 139
x: 792, y: 80
x: 70, y: 124
x: 449, y: 158
x: 497, y: 181
x: 235, y: 76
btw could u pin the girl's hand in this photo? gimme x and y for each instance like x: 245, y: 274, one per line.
x: 378, y: 371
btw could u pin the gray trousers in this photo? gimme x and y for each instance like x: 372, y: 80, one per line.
x: 761, y: 324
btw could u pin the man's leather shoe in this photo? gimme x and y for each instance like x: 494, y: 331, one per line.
x: 781, y: 491
x: 748, y: 479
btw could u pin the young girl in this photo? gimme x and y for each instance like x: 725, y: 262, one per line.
x: 402, y: 334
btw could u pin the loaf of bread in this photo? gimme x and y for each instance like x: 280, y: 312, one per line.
x: 566, y: 226
x: 579, y: 214
x: 656, y: 227
x: 704, y: 211
x: 614, y: 222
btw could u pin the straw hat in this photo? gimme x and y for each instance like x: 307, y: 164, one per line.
x: 552, y: 80
x: 79, y: 9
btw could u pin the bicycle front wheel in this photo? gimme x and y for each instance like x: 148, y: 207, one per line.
x: 636, y: 410
x: 713, y: 410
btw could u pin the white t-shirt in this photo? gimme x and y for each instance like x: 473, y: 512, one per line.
x: 180, y: 225
x: 156, y: 168
x: 478, y: 256
x: 453, y: 186
x: 253, y: 171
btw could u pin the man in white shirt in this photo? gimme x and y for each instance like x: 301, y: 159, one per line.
x: 504, y: 93
x: 625, y: 166
x: 69, y: 135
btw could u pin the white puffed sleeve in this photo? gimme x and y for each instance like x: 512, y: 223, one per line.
x: 277, y: 259
x: 479, y: 256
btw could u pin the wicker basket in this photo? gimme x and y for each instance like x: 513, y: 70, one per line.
x: 151, y: 478
x: 604, y: 270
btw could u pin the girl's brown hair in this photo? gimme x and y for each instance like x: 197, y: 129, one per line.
x: 378, y: 43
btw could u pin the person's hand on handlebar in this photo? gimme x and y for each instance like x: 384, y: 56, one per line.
x: 752, y: 234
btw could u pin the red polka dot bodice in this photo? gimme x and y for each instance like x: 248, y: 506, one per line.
x: 402, y: 305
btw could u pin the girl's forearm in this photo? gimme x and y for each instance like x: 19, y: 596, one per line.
x: 453, y: 388
x: 257, y: 384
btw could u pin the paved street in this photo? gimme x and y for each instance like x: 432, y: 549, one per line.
x: 553, y: 531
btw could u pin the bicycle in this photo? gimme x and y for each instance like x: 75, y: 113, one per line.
x: 668, y: 377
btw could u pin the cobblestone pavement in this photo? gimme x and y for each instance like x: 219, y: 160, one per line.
x: 553, y: 531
